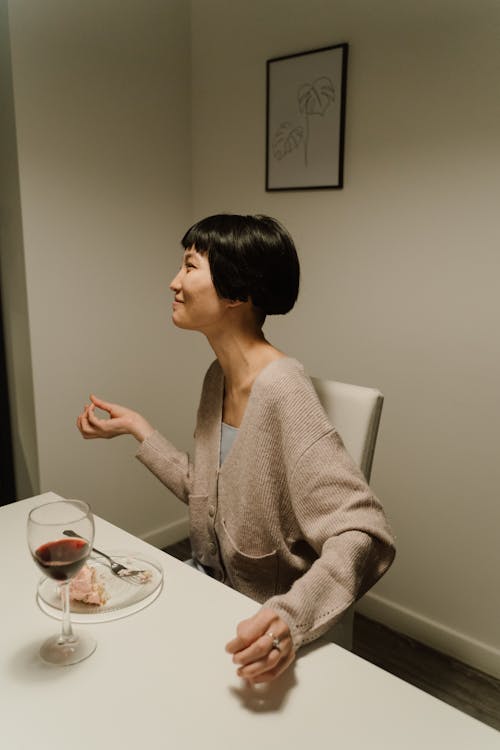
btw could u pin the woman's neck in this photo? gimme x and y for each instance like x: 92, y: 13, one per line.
x: 241, y: 357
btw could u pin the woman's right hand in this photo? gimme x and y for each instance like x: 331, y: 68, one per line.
x: 122, y: 421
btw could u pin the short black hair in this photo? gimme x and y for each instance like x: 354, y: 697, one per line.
x: 250, y: 257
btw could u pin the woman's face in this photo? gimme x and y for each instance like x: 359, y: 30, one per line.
x: 196, y: 305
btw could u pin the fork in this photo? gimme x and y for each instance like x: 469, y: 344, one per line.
x: 127, y: 574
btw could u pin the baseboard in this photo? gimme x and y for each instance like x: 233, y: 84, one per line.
x: 431, y: 633
x: 171, y: 533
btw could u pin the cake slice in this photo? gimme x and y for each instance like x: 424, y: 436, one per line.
x: 87, y: 587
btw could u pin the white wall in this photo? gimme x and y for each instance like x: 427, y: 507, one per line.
x: 102, y: 105
x: 400, y: 269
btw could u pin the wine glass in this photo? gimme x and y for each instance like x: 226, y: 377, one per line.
x: 61, y: 558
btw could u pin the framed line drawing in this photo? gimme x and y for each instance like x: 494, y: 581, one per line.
x: 306, y: 95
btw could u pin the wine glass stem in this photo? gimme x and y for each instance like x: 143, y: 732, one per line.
x: 66, y: 631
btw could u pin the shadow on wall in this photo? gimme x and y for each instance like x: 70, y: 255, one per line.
x: 7, y: 479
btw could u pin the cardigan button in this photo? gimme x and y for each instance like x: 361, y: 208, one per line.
x: 212, y: 548
x: 211, y: 511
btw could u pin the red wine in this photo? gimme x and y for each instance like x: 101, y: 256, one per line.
x: 62, y: 559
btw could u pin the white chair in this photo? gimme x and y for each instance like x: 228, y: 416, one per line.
x: 354, y: 411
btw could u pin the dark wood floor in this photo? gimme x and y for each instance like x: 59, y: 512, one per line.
x: 453, y: 682
x: 472, y: 692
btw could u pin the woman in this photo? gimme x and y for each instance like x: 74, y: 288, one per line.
x: 278, y: 510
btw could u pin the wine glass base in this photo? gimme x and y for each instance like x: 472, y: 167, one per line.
x: 70, y: 651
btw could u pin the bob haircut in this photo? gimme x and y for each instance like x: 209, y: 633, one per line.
x: 250, y: 257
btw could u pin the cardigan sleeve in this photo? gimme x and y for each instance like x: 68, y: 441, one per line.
x: 344, y: 523
x: 172, y: 467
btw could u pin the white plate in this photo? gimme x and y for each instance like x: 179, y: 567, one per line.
x: 124, y: 598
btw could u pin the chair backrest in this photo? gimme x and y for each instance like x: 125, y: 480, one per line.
x: 354, y: 411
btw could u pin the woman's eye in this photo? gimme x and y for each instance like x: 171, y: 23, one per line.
x: 190, y: 265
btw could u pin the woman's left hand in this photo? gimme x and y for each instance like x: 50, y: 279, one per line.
x: 263, y: 647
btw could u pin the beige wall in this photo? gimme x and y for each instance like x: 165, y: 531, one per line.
x: 400, y: 269
x: 102, y: 104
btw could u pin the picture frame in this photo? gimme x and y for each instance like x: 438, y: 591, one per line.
x: 305, y: 119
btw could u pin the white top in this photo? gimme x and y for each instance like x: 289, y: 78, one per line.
x: 227, y: 437
x: 161, y: 678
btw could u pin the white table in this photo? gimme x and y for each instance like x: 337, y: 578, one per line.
x: 161, y: 679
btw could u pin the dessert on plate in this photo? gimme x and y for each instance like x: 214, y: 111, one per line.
x: 87, y: 587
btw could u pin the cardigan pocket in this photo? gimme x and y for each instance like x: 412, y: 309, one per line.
x: 255, y: 576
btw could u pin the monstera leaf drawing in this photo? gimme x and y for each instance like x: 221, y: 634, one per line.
x: 314, y: 99
x: 286, y: 139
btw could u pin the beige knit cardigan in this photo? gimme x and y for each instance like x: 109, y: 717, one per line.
x: 288, y: 519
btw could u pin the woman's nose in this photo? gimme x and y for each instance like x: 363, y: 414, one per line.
x: 175, y: 284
